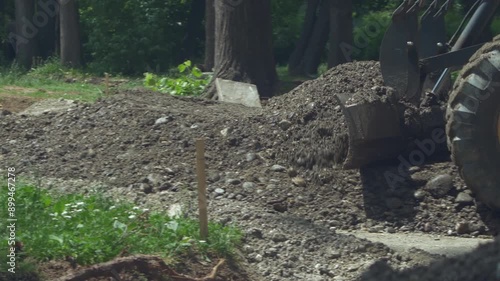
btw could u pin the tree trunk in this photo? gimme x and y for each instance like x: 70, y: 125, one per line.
x: 243, y: 44
x: 209, y: 35
x: 194, y: 29
x: 318, y: 40
x: 47, y: 33
x: 295, y: 63
x: 341, y: 29
x: 69, y: 22
x: 25, y: 36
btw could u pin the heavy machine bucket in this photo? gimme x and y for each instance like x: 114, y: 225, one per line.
x: 398, y: 54
x: 374, y: 131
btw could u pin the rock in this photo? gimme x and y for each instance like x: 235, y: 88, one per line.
x: 440, y: 185
x: 146, y: 188
x: 280, y: 207
x: 464, y: 198
x: 233, y: 181
x: 462, y: 228
x: 258, y: 258
x: 390, y: 229
x: 225, y: 132
x: 278, y: 168
x: 292, y: 172
x: 393, y: 203
x: 284, y: 124
x: 300, y: 182
x: 154, y: 179
x: 161, y: 120
x: 279, y: 237
x: 271, y: 252
x: 419, y: 194
x: 248, y: 185
x: 219, y: 191
x: 167, y: 186
x: 255, y: 232
x: 250, y: 157
x: 169, y: 171
x: 334, y: 254
x: 427, y: 227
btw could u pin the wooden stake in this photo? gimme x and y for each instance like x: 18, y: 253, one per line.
x: 202, y: 187
x: 107, y: 83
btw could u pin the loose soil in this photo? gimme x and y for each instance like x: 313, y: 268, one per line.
x: 274, y: 172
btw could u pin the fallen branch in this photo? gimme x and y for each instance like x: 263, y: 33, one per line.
x: 152, y: 266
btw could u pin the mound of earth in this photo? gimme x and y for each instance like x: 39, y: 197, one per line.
x: 272, y: 171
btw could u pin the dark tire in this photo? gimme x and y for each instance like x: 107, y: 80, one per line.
x: 473, y: 129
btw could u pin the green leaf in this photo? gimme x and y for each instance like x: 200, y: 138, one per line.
x: 56, y: 238
x: 119, y: 225
x: 182, y: 68
x: 196, y: 72
x: 187, y: 63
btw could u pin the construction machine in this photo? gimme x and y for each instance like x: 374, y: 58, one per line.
x: 417, y: 60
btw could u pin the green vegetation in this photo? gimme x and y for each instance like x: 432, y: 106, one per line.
x: 48, y: 80
x: 190, y: 81
x: 92, y: 229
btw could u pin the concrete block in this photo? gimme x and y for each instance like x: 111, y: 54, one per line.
x: 237, y: 92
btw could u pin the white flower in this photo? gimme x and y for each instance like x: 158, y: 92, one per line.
x: 135, y: 208
x: 131, y: 217
x: 78, y: 210
x: 64, y: 213
x: 145, y: 210
x: 79, y: 203
x: 112, y: 207
x: 67, y: 217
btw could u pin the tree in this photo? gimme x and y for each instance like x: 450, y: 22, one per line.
x: 296, y: 63
x: 341, y: 31
x: 25, y: 37
x: 243, y: 44
x: 194, y: 30
x: 71, y: 50
x: 325, y: 20
x: 209, y: 35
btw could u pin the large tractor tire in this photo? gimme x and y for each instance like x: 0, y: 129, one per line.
x: 473, y: 124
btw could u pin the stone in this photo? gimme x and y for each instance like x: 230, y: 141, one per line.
x: 419, y: 194
x: 300, y: 182
x: 237, y: 92
x: 255, y: 232
x: 248, y: 185
x: 219, y: 191
x: 464, y: 198
x: 271, y: 252
x: 250, y: 157
x: 427, y: 227
x: 440, y: 186
x: 280, y: 207
x: 279, y: 237
x: 292, y: 172
x: 233, y: 181
x: 284, y: 124
x: 161, y: 120
x: 278, y: 168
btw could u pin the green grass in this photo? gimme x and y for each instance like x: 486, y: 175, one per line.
x: 93, y: 229
x: 50, y: 80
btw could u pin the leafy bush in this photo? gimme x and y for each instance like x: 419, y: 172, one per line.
x: 93, y: 229
x: 190, y: 82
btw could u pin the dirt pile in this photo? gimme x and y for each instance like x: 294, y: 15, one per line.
x: 318, y: 134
